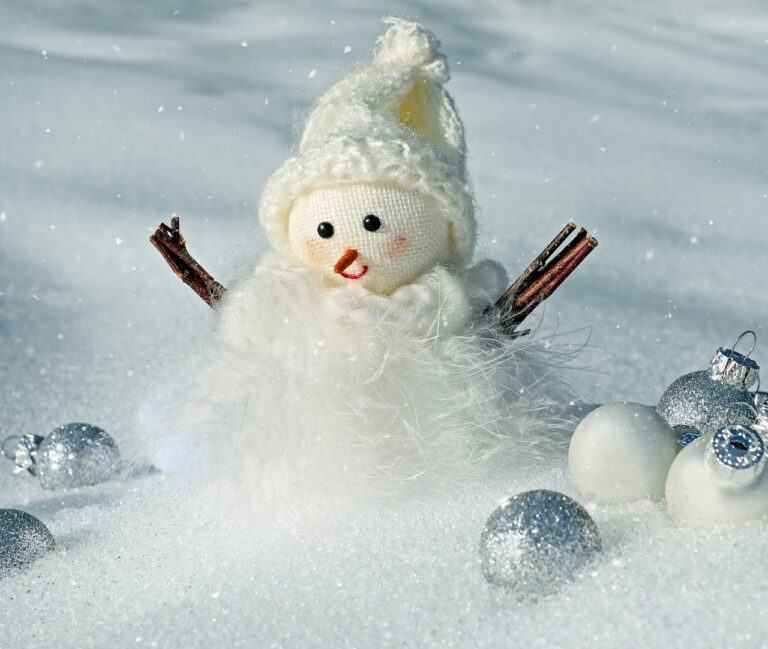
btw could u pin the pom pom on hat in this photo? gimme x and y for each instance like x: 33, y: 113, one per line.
x: 389, y: 122
x: 410, y: 43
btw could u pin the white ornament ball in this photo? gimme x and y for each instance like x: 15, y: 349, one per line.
x: 621, y: 452
x: 719, y: 478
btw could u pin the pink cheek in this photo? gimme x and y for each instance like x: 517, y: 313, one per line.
x: 315, y: 252
x: 396, y: 246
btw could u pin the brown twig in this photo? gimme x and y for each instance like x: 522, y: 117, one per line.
x: 173, y: 247
x: 537, y: 263
x: 542, y: 278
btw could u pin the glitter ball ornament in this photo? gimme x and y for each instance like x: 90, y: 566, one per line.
x: 719, y: 478
x: 535, y: 541
x: 72, y: 455
x: 621, y: 452
x: 712, y: 399
x: 23, y: 538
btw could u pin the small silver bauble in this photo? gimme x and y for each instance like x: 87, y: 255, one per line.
x: 23, y: 538
x: 536, y: 540
x: 709, y: 400
x: 72, y: 455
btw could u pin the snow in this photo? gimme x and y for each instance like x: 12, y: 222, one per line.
x: 644, y: 122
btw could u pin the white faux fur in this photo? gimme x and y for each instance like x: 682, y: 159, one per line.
x: 336, y: 389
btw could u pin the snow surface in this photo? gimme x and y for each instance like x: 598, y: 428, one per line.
x: 645, y: 122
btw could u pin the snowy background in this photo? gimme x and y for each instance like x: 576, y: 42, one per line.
x: 645, y: 122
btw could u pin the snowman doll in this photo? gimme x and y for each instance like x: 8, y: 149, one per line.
x: 377, y: 204
x: 355, y: 354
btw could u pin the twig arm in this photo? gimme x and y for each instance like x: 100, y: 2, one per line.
x: 542, y: 278
x: 536, y: 264
x: 173, y: 247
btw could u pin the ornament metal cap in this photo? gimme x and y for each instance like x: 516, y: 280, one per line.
x: 734, y: 367
x: 735, y: 453
x: 24, y: 455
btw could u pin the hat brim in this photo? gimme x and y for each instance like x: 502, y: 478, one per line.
x: 346, y: 160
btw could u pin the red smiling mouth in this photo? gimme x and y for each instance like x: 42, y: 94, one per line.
x: 357, y: 276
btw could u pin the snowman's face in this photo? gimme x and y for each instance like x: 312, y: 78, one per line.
x: 379, y: 236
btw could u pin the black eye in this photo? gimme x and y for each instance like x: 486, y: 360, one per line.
x: 371, y: 223
x: 325, y: 230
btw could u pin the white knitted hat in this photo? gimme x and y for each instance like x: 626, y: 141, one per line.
x: 391, y: 122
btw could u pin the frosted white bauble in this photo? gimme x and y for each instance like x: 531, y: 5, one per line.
x: 706, y: 487
x: 621, y: 452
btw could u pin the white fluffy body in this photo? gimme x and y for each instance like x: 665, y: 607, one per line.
x: 366, y: 384
x: 316, y: 387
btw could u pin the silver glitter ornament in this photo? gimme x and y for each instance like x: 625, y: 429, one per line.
x: 23, y: 538
x: 709, y: 400
x: 72, y: 455
x: 535, y: 541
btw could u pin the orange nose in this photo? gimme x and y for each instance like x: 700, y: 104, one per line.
x: 346, y: 260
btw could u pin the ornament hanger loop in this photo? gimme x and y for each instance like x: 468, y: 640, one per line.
x: 738, y: 340
x: 4, y: 446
